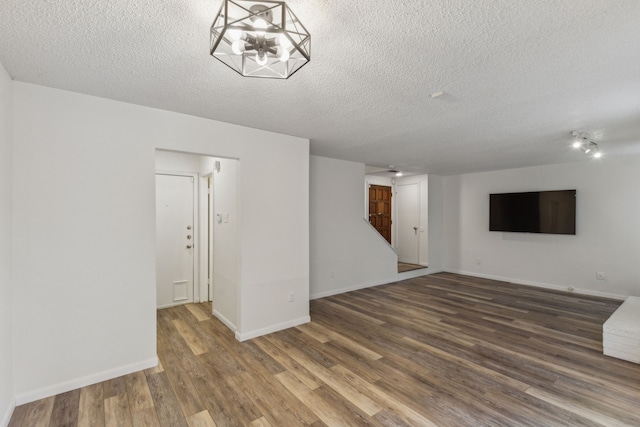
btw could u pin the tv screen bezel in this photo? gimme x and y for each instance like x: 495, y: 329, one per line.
x: 495, y: 227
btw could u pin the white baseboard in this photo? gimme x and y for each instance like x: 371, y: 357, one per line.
x: 54, y: 389
x: 8, y: 413
x: 273, y: 328
x: 175, y: 304
x: 400, y: 276
x: 578, y: 291
x: 228, y: 323
x: 414, y: 273
x: 350, y: 288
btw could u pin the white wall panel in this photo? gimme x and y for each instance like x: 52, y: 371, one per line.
x: 346, y: 251
x: 6, y: 202
x: 607, y: 229
x: 84, y: 292
x: 226, y: 262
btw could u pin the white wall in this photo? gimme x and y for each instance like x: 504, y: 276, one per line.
x: 84, y: 253
x: 6, y: 307
x: 376, y: 180
x: 168, y: 161
x: 346, y: 252
x: 226, y: 256
x: 225, y: 248
x: 436, y: 224
x: 607, y: 227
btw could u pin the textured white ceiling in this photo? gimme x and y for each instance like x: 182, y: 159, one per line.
x: 518, y: 76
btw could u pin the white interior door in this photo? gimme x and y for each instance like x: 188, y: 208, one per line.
x: 175, y: 237
x: 408, y: 223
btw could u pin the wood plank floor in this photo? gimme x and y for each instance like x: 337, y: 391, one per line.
x: 444, y: 349
x: 403, y: 266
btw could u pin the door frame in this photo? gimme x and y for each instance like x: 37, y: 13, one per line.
x: 206, y: 237
x: 196, y: 223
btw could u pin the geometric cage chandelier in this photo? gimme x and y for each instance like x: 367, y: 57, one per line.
x: 260, y: 39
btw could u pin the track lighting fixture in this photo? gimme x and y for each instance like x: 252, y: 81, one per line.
x: 583, y: 142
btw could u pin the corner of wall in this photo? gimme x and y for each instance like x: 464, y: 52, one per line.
x: 244, y: 336
x: 436, y: 223
x: 346, y: 253
x: 7, y: 391
x: 76, y: 383
x: 4, y: 422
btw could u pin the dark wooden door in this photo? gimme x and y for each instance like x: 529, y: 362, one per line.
x: 380, y: 209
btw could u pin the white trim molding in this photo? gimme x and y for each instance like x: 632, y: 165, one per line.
x: 273, y: 328
x: 63, y: 387
x: 228, y: 323
x: 8, y: 413
x: 400, y: 276
x: 577, y: 291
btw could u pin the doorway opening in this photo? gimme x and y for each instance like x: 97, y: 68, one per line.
x: 197, y: 236
x: 408, y: 219
x: 380, y: 209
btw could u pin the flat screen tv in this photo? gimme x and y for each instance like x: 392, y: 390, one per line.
x: 551, y: 212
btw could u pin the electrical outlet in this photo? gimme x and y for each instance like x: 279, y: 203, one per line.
x: 600, y: 275
x: 292, y: 296
x: 570, y: 289
x: 478, y: 261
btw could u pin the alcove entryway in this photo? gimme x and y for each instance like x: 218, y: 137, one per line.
x: 397, y: 207
x: 197, y: 220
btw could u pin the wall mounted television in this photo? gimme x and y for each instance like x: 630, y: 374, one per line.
x: 549, y: 212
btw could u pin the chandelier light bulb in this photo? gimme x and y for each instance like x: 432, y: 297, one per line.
x: 283, y: 54
x: 284, y: 41
x: 577, y: 144
x: 235, y: 34
x: 597, y: 155
x: 260, y: 23
x: 238, y: 47
x: 261, y: 58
